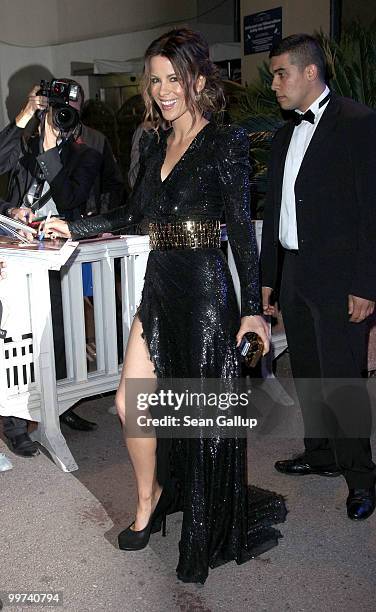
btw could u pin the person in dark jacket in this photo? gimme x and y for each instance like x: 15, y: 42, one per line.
x: 320, y: 223
x: 44, y: 160
x: 108, y: 189
x: 51, y: 171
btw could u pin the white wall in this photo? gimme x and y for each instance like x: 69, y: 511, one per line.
x: 21, y: 67
x: 33, y: 35
x: 125, y: 46
x: 45, y: 22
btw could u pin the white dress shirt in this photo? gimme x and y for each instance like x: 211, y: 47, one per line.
x: 301, y: 137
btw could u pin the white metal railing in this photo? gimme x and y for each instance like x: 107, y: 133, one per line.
x: 28, y: 387
x: 133, y: 253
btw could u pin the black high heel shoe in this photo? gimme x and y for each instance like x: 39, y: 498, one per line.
x: 129, y: 539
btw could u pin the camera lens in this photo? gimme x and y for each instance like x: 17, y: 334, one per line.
x: 65, y: 118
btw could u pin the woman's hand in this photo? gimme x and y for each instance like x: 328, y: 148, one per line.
x: 257, y: 324
x: 55, y: 228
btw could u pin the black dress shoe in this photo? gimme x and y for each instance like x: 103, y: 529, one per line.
x: 300, y: 467
x: 129, y: 539
x: 74, y: 421
x: 360, y: 503
x: 23, y: 446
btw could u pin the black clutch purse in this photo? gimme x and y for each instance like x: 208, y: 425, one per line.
x: 251, y: 349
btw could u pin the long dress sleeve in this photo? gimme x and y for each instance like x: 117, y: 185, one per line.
x: 127, y: 217
x: 234, y: 169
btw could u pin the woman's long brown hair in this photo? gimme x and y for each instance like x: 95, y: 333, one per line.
x: 188, y: 53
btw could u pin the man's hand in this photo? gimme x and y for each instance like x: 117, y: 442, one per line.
x: 3, y: 265
x: 359, y: 308
x: 267, y: 307
x: 33, y: 103
x: 25, y: 215
x: 50, y: 133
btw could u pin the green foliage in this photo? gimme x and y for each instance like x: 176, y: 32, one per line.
x: 352, y: 63
x: 255, y: 99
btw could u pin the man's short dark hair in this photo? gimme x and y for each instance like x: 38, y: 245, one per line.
x: 303, y: 50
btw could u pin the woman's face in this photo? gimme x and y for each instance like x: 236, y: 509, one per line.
x: 165, y: 89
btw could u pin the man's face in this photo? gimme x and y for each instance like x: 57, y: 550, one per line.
x: 290, y: 83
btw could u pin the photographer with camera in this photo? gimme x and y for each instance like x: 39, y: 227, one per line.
x: 50, y: 172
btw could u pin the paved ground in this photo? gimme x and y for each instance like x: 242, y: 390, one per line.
x: 58, y: 533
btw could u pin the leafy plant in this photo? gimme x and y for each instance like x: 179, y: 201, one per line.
x: 352, y: 63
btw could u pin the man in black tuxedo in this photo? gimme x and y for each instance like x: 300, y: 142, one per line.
x: 320, y: 227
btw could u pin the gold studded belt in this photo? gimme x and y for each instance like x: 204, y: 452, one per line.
x: 185, y: 235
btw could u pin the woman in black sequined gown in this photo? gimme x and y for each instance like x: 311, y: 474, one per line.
x: 188, y: 324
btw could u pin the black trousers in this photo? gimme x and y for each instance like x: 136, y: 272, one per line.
x: 14, y: 426
x: 325, y: 348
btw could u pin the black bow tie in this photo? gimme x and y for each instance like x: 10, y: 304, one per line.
x: 308, y: 116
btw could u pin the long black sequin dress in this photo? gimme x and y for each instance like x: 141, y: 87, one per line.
x: 190, y: 318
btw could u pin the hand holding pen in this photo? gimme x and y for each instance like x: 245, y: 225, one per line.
x: 56, y: 228
x: 42, y: 233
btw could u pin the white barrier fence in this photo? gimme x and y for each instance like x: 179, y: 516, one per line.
x: 28, y: 387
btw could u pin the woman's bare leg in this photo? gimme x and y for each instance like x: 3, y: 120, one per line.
x: 142, y: 451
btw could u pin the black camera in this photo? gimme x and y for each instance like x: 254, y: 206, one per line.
x: 60, y: 95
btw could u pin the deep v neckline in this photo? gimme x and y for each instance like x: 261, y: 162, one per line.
x: 189, y: 148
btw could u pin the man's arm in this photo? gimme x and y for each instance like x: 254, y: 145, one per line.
x: 33, y: 104
x: 10, y: 147
x: 269, y: 242
x: 70, y: 183
x: 363, y: 154
x: 10, y: 137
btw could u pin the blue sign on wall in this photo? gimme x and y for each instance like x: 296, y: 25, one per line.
x: 262, y: 31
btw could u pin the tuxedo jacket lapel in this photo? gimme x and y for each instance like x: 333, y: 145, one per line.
x: 278, y: 169
x: 326, y: 125
x: 283, y: 148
